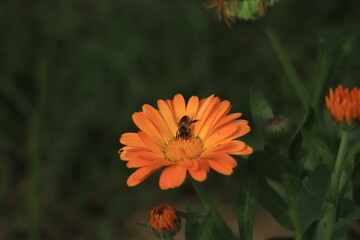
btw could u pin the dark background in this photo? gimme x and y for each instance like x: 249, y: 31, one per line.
x: 73, y: 71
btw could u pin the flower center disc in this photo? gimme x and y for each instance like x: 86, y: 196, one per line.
x: 180, y: 149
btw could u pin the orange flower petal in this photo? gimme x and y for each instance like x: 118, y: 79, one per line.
x: 221, y: 134
x: 150, y: 143
x: 144, y: 124
x: 220, y: 168
x: 199, y: 175
x: 178, y: 106
x: 167, y: 115
x: 140, y: 175
x: 203, y: 105
x: 221, y: 158
x: 137, y: 162
x: 172, y: 177
x: 218, y: 111
x: 248, y: 150
x: 156, y: 118
x: 230, y: 147
x: 186, y: 163
x: 224, y: 121
x: 131, y: 139
x: 192, y: 107
x: 204, y: 116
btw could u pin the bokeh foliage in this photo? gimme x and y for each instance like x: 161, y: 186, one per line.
x: 73, y: 72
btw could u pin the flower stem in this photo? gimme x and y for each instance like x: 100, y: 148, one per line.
x: 292, y: 211
x: 330, y: 214
x: 218, y: 219
x: 34, y: 152
x: 287, y: 65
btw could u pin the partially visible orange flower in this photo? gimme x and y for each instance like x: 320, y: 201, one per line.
x: 344, y: 104
x: 184, y: 138
x: 164, y: 220
x: 222, y: 10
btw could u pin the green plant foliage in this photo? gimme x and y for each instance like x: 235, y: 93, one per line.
x: 205, y: 229
x: 72, y: 73
x: 246, y: 201
x: 319, y: 148
x: 260, y: 108
x: 193, y: 224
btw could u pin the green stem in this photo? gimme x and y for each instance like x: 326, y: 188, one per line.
x: 330, y: 214
x: 218, y: 219
x: 323, y: 67
x: 288, y: 66
x: 292, y: 211
x: 34, y: 153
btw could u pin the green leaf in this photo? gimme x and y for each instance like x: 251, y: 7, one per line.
x: 205, y: 229
x: 318, y: 181
x: 318, y: 147
x: 341, y: 229
x: 350, y: 158
x: 349, y: 210
x: 295, y: 153
x: 246, y: 202
x: 266, y: 165
x: 273, y: 202
x: 309, y: 208
x: 310, y: 231
x: 322, y: 72
x: 193, y: 224
x: 260, y: 109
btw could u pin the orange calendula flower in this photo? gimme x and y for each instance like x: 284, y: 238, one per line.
x: 184, y: 138
x: 344, y: 104
x: 222, y: 10
x: 164, y: 220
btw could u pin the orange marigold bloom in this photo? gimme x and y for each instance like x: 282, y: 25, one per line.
x: 164, y: 220
x: 181, y: 138
x: 344, y: 104
x: 222, y: 11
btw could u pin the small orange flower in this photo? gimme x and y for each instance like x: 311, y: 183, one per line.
x: 222, y: 10
x: 344, y: 104
x: 164, y: 220
x: 181, y: 138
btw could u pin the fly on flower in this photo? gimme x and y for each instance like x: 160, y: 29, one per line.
x: 184, y: 138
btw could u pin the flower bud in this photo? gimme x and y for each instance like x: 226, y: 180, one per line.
x: 249, y: 9
x: 164, y: 221
x: 277, y: 127
x: 344, y: 105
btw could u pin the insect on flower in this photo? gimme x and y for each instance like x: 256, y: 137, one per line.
x: 184, y: 127
x: 180, y: 138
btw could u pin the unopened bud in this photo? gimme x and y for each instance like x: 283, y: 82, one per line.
x: 164, y: 221
x: 277, y: 127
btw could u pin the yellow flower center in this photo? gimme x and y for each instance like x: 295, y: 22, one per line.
x: 180, y: 149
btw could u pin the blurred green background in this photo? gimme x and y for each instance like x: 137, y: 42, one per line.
x: 73, y: 71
